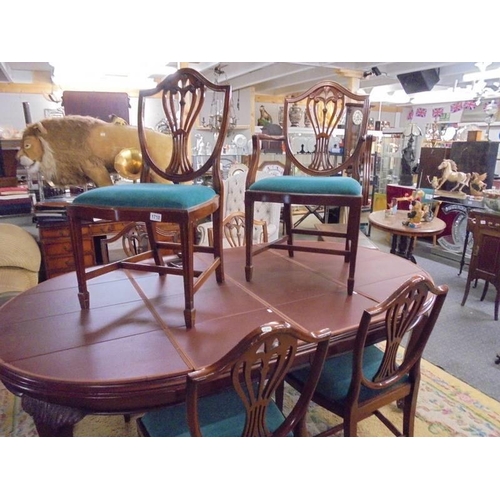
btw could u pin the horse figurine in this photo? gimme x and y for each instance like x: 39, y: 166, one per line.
x: 477, y: 184
x: 451, y: 174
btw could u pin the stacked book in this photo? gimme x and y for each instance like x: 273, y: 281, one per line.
x: 14, y: 200
x: 53, y: 211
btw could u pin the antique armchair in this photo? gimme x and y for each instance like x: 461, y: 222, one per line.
x: 233, y: 229
x: 234, y: 202
x: 485, y: 259
x: 320, y: 179
x: 357, y: 384
x: 169, y: 191
x: 256, y: 368
x: 20, y: 260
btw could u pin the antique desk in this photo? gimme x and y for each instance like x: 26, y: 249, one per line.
x: 131, y: 351
x: 403, y: 237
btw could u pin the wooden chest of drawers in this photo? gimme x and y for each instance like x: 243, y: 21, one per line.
x: 57, y: 252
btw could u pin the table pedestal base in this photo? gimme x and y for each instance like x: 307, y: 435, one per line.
x: 52, y: 420
x: 403, y: 246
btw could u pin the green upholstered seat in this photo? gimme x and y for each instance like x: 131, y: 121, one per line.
x: 147, y: 195
x: 308, y: 185
x: 221, y: 415
x: 336, y: 375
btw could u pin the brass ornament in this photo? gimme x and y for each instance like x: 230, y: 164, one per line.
x: 128, y: 163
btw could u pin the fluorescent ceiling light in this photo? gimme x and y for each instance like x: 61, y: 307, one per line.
x: 112, y: 74
x: 481, y: 75
x: 384, y: 93
x: 448, y: 95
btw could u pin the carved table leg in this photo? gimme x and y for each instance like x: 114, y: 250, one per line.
x: 409, y: 250
x: 52, y: 420
x: 394, y: 243
x: 403, y: 246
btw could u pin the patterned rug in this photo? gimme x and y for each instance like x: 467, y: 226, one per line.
x: 446, y: 407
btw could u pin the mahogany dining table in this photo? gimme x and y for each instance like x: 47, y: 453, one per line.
x: 130, y: 352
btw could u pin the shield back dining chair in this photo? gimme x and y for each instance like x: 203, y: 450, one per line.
x: 244, y: 406
x: 319, y: 178
x: 357, y: 384
x: 169, y: 191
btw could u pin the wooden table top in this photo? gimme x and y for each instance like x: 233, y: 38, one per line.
x: 131, y: 351
x: 394, y: 224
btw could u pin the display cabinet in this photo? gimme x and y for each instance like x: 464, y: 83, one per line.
x: 388, y: 164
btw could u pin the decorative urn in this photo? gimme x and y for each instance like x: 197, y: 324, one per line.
x: 295, y: 115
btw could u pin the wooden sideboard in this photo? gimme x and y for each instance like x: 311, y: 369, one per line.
x: 57, y: 251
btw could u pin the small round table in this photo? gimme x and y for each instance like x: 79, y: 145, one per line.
x: 403, y: 237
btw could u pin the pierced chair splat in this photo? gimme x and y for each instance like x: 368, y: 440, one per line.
x: 357, y: 384
x: 254, y: 370
x: 168, y: 190
x: 318, y: 179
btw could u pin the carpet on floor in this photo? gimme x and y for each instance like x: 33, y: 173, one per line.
x: 447, y: 407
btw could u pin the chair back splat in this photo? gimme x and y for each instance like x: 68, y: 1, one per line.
x: 170, y: 191
x: 356, y: 385
x: 316, y: 178
x: 235, y: 395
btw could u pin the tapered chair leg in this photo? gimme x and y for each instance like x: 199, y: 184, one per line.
x: 485, y: 290
x: 187, y: 242
x: 249, y: 216
x: 301, y: 429
x: 77, y: 244
x: 409, y: 410
x: 466, y: 292
x: 350, y: 427
x: 153, y: 245
x: 288, y: 223
x: 217, y: 243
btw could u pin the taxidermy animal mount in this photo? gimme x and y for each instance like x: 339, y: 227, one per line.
x: 75, y: 150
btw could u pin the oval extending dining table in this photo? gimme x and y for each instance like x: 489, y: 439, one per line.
x: 130, y: 351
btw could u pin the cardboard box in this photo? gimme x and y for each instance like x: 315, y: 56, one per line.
x: 474, y: 135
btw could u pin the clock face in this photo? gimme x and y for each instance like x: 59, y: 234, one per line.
x: 357, y: 117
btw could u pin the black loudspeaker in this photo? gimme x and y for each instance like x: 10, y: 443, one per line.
x: 419, y: 81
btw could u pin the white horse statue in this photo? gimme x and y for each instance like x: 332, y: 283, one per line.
x: 451, y: 174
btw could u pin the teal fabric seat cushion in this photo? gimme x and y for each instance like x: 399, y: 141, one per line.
x: 302, y: 184
x: 336, y: 375
x: 147, y: 195
x: 221, y: 415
